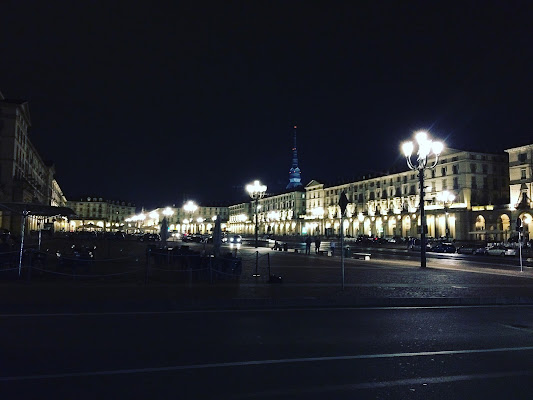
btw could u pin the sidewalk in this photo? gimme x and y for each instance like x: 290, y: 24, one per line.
x: 308, y: 281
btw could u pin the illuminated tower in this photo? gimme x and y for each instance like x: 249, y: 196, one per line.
x: 294, y: 174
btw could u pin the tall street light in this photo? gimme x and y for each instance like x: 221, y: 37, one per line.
x: 447, y: 198
x: 190, y: 207
x: 426, y: 147
x: 256, y: 192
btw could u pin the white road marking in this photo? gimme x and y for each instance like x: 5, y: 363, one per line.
x: 257, y: 362
x: 255, y: 310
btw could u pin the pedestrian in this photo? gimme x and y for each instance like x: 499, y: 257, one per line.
x: 332, y: 247
x: 317, y: 245
x: 308, y: 245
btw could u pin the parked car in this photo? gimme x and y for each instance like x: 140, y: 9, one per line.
x: 482, y: 251
x: 469, y: 248
x: 149, y: 237
x: 114, y: 236
x: 414, y: 245
x: 364, y: 239
x: 501, y: 251
x: 395, y: 239
x: 443, y: 248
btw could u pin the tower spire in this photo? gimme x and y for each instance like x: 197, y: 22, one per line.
x: 294, y: 173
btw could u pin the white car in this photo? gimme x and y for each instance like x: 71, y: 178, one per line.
x: 500, y: 251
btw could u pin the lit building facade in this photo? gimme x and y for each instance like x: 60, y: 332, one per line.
x: 24, y: 176
x: 97, y: 213
x: 388, y: 205
x: 198, y: 219
x: 521, y: 187
x: 279, y: 214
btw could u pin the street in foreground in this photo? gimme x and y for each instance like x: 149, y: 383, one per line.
x: 385, y: 353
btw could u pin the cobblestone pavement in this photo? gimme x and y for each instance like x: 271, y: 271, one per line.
x: 306, y: 280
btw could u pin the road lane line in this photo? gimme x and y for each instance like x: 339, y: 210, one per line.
x: 257, y: 362
x: 385, y: 384
x: 256, y: 310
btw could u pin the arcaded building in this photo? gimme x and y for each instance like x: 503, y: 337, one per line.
x: 25, y: 178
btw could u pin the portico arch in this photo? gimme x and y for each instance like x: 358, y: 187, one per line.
x: 406, y: 226
x: 366, y: 227
x: 479, y: 227
x: 392, y: 226
x: 379, y: 227
x: 504, y: 226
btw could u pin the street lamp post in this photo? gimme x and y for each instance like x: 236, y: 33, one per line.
x: 256, y: 192
x: 447, y: 198
x: 426, y: 147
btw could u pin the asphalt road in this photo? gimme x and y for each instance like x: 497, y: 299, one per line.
x: 377, y: 353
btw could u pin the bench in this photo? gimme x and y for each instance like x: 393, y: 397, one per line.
x: 361, y: 256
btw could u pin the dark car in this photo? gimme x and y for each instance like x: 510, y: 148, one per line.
x: 114, y: 236
x: 414, y: 245
x: 364, y: 239
x: 469, y: 248
x: 443, y: 248
x: 149, y: 237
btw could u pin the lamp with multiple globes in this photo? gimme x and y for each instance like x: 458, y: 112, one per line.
x: 426, y: 148
x: 256, y: 192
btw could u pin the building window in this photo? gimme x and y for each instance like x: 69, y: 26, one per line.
x: 522, y: 157
x: 473, y: 168
x: 485, y: 182
x: 474, y: 183
x: 443, y: 171
x: 522, y: 173
x: 444, y: 184
x: 455, y: 169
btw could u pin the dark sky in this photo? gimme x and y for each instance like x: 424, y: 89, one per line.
x: 156, y: 102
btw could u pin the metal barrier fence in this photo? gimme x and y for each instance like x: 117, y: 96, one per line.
x: 159, y: 264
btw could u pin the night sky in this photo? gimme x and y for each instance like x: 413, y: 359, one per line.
x: 159, y: 102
